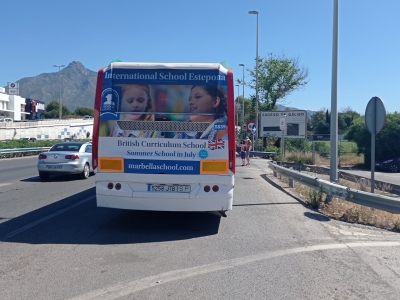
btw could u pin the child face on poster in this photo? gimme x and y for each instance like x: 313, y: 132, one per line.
x: 136, y: 98
x: 206, y: 100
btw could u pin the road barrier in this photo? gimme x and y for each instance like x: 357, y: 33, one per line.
x: 262, y: 154
x: 385, y: 203
x: 379, y: 185
x: 21, y: 151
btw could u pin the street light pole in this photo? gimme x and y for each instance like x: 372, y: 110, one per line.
x: 59, y: 100
x: 255, y: 12
x: 241, y: 126
x: 237, y: 101
x: 334, y: 114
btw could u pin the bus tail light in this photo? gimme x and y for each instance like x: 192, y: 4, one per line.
x: 42, y: 156
x: 118, y: 186
x: 207, y: 188
x: 215, y: 188
x: 110, y: 185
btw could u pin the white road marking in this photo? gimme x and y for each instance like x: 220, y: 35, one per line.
x: 4, y: 184
x: 126, y: 288
x: 29, y: 226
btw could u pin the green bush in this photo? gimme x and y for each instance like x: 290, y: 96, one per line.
x: 299, y: 157
x: 323, y: 148
x: 314, y: 198
x: 272, y: 149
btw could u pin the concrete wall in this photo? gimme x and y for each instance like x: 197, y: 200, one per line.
x: 46, y: 130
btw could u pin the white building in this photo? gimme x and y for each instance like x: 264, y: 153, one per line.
x: 12, y: 106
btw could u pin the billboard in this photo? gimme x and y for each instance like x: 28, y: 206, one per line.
x: 165, y: 120
x: 295, y: 123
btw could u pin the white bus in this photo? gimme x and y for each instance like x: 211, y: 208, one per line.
x: 164, y: 137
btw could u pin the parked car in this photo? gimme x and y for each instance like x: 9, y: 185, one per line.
x: 391, y: 164
x: 6, y: 120
x: 87, y: 118
x: 66, y: 158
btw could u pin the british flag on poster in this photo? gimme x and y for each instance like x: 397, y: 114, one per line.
x: 217, y: 144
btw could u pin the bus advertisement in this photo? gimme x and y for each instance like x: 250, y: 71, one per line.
x: 164, y: 137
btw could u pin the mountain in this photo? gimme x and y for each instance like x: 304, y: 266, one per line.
x: 77, y: 85
x: 282, y: 107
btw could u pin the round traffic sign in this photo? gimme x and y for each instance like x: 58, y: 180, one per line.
x: 375, y: 115
x: 250, y: 125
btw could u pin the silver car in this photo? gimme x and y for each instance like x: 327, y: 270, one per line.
x: 66, y: 158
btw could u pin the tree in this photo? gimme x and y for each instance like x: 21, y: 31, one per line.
x: 346, y: 117
x: 277, y: 78
x: 387, y: 141
x: 84, y: 111
x: 52, y: 110
x: 319, y: 124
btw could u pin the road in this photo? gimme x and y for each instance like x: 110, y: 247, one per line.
x: 56, y: 244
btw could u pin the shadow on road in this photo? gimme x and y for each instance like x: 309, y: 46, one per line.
x: 277, y: 186
x: 316, y: 216
x: 53, y: 178
x: 88, y: 224
x: 271, y: 203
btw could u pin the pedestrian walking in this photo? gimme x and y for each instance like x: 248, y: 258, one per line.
x: 248, y: 147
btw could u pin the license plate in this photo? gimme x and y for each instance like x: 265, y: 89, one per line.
x: 169, y: 188
x: 53, y: 167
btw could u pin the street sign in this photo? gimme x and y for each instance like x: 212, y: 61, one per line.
x: 294, y: 124
x: 13, y: 91
x: 13, y: 85
x: 250, y: 125
x: 375, y: 115
x: 282, y: 124
x: 254, y: 130
x: 375, y: 118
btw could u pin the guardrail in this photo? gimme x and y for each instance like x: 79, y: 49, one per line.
x: 23, y: 151
x: 379, y: 185
x: 262, y: 154
x: 385, y: 203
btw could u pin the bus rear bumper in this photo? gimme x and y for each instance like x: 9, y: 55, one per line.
x: 136, y: 195
x: 158, y: 204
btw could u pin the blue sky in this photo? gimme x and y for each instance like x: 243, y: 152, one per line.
x: 38, y: 34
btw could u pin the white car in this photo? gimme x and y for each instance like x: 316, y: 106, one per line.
x: 66, y: 158
x: 87, y: 118
x: 6, y: 120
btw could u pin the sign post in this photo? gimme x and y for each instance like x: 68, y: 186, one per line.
x: 282, y: 125
x: 375, y: 119
x: 254, y: 132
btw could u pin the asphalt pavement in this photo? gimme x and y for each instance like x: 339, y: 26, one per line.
x: 56, y: 244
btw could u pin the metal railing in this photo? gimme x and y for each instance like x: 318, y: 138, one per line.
x: 44, y: 122
x: 262, y: 154
x: 22, y: 151
x: 385, y: 203
x: 379, y: 185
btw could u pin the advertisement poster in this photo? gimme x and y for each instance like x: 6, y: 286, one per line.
x: 164, y: 121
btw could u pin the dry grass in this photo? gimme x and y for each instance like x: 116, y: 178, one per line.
x: 355, y: 213
x: 350, y: 212
x: 351, y: 159
x: 346, y: 159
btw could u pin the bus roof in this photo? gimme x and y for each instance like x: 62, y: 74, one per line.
x: 182, y: 66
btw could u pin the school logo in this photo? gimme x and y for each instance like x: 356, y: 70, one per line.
x: 220, y: 126
x: 109, y: 102
x: 203, y: 154
x: 217, y: 144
